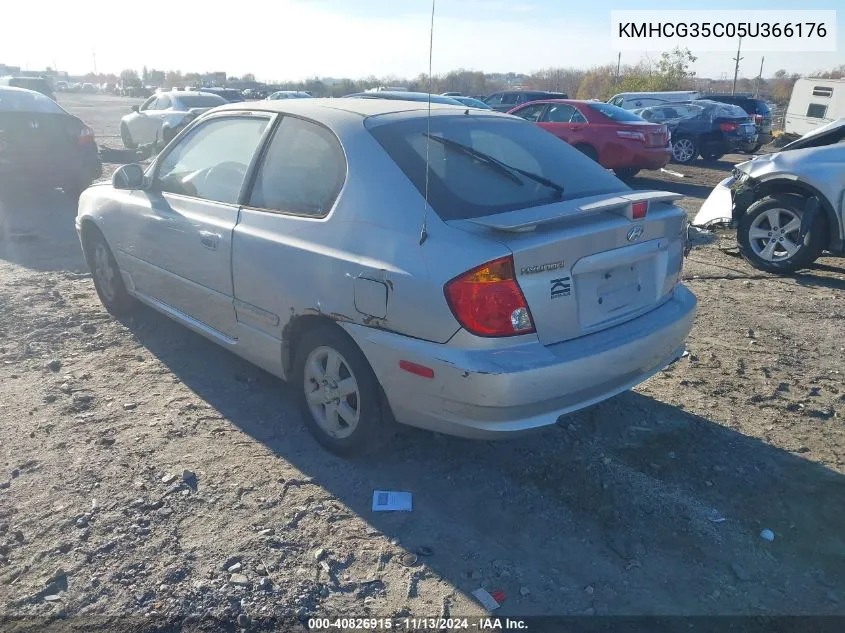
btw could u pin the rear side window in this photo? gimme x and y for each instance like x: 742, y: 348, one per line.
x: 614, y: 113
x: 510, y: 98
x: 302, y: 171
x: 463, y: 186
x: 816, y: 111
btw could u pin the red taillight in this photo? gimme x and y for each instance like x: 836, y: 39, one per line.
x: 634, y: 136
x: 728, y: 127
x: 487, y: 301
x: 86, y: 135
x: 758, y: 119
x: 639, y: 210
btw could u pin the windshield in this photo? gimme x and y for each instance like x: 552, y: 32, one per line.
x: 201, y: 101
x: 615, y: 113
x: 465, y: 186
x: 25, y: 101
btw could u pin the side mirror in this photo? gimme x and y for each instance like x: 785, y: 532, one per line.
x: 128, y: 177
x: 135, y: 108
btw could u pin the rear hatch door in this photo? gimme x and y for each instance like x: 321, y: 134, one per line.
x: 585, y: 265
x: 37, y: 140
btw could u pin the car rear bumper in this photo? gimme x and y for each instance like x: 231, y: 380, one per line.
x: 619, y: 156
x: 493, y: 393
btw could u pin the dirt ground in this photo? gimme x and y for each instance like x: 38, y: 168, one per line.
x: 650, y: 503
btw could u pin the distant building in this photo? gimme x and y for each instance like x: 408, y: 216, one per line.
x: 9, y: 70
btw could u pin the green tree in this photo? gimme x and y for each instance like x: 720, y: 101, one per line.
x: 129, y: 77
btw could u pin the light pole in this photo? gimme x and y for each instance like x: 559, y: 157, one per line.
x: 736, y: 68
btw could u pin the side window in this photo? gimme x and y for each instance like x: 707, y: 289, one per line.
x: 531, y: 112
x: 302, y: 171
x: 212, y: 160
x: 618, y: 101
x: 510, y: 98
x: 816, y: 111
x: 559, y: 113
x: 149, y: 104
x: 577, y: 117
x: 495, y: 99
x: 163, y: 103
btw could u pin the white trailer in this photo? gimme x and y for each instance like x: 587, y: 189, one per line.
x: 814, y: 102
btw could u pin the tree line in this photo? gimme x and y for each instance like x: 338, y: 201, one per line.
x: 672, y: 70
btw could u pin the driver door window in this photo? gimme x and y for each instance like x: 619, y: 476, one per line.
x: 212, y: 160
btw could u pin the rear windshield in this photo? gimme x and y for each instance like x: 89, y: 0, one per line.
x: 462, y: 186
x: 615, y: 113
x: 761, y: 107
x: 201, y: 101
x: 729, y: 110
x: 14, y: 101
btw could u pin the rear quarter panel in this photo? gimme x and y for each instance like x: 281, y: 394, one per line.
x: 292, y: 266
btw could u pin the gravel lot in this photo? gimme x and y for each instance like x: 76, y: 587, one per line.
x: 144, y: 470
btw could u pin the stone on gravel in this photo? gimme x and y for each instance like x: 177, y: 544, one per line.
x: 239, y: 579
x: 89, y: 328
x: 319, y: 553
x: 231, y: 561
x: 128, y: 406
x: 52, y: 598
x: 168, y: 479
x: 235, y: 568
x: 54, y: 365
x: 740, y: 572
x: 243, y: 621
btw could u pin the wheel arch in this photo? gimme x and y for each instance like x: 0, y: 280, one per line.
x: 299, y: 325
x: 778, y: 185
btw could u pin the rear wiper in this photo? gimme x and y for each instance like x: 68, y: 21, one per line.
x: 503, y: 168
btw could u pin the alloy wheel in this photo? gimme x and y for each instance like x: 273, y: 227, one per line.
x: 683, y: 150
x: 775, y: 235
x: 104, y: 272
x: 332, y: 392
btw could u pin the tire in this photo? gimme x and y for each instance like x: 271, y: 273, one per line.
x: 107, y: 279
x: 126, y: 137
x: 767, y: 217
x: 588, y: 151
x: 366, y: 428
x: 684, y: 149
x: 626, y: 173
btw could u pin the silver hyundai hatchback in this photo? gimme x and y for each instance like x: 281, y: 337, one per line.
x: 457, y: 270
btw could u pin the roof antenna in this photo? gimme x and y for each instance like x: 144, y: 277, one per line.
x: 424, y: 231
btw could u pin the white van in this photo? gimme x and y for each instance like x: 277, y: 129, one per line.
x: 814, y: 102
x: 634, y: 100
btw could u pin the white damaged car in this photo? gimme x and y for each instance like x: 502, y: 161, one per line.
x: 787, y: 207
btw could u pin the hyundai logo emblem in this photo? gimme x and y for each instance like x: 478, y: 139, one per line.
x: 635, y: 233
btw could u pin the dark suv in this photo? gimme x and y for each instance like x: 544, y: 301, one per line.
x: 508, y: 100
x: 757, y: 110
x: 38, y: 84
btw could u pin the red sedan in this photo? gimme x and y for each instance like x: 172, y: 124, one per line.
x: 613, y: 137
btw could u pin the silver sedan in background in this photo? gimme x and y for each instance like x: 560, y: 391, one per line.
x: 466, y: 273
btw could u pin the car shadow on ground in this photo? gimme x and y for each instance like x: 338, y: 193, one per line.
x: 670, y: 484
x: 37, y: 231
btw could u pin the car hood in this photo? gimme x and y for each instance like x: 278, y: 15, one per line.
x: 796, y: 162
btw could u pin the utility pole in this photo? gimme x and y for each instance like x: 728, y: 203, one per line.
x: 759, y: 79
x: 94, y: 57
x: 736, y: 68
x: 618, y: 67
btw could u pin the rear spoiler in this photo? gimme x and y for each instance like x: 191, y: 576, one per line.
x: 528, y: 219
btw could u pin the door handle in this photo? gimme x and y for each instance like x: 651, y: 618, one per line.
x: 209, y: 240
